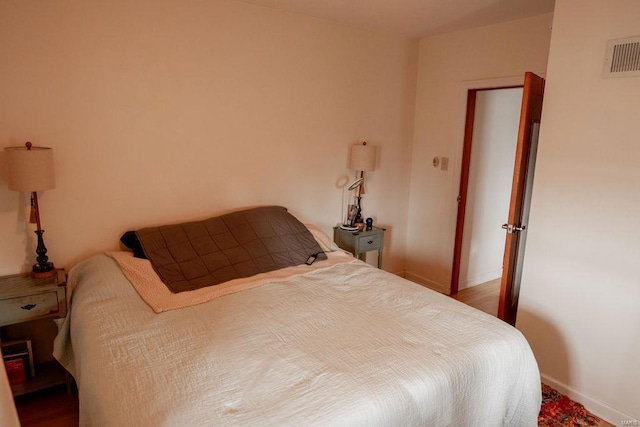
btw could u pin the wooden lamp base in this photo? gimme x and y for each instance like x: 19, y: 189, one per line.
x: 43, y: 268
x: 43, y: 274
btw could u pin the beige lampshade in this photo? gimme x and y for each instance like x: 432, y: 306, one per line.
x: 30, y: 170
x: 363, y: 158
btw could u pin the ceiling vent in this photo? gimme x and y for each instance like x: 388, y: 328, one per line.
x: 623, y: 58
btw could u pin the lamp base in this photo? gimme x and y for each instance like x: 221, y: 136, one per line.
x: 43, y: 268
x: 45, y: 275
x: 43, y: 271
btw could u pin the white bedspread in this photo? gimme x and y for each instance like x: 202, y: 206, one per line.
x: 348, y: 345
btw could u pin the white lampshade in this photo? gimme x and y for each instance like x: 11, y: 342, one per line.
x: 30, y: 170
x: 363, y: 158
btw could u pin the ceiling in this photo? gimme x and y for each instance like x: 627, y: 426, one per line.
x: 413, y: 18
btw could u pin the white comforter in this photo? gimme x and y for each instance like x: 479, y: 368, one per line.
x: 347, y: 345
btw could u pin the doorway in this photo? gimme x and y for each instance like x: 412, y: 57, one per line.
x: 497, y: 134
x: 485, y: 186
x: 495, y: 131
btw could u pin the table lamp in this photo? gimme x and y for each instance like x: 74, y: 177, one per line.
x: 30, y: 169
x: 363, y: 159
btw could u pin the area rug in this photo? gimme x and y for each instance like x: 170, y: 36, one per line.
x: 558, y: 411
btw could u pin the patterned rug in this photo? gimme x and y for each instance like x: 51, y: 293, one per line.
x: 558, y: 411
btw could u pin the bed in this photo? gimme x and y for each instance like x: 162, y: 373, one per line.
x: 338, y: 342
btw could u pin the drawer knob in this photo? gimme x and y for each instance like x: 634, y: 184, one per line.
x: 28, y: 307
x: 370, y: 242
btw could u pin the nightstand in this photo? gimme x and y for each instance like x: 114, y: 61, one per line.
x: 22, y: 299
x: 360, y: 242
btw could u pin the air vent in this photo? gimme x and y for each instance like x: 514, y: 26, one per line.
x: 623, y: 58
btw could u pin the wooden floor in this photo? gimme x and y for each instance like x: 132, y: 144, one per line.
x: 484, y: 297
x: 48, y: 408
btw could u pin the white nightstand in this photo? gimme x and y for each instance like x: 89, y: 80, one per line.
x: 22, y: 299
x: 360, y: 242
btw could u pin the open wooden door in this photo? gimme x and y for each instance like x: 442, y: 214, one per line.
x: 530, y: 114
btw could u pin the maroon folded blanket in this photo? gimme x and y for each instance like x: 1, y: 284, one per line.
x: 196, y: 254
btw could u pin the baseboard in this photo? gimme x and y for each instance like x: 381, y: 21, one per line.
x: 480, y: 278
x: 426, y: 282
x: 600, y: 409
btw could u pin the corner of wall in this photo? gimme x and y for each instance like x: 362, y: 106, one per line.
x: 438, y: 287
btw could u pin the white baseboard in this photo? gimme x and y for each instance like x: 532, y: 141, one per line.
x: 480, y: 278
x: 600, y: 409
x: 426, y: 282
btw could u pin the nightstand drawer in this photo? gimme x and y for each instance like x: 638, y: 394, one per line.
x: 369, y: 243
x: 28, y: 307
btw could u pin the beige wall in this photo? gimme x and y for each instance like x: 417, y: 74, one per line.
x: 447, y: 65
x: 580, y: 296
x: 160, y: 111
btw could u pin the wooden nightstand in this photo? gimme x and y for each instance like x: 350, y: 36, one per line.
x: 22, y: 299
x: 360, y: 242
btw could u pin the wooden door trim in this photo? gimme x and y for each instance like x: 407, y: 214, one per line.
x: 464, y: 180
x: 464, y: 185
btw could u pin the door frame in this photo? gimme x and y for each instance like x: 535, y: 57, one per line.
x: 470, y: 90
x: 531, y: 108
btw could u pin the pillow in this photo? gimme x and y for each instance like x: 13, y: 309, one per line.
x: 196, y: 254
x: 325, y: 242
x: 131, y: 241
